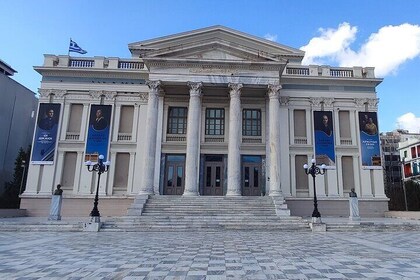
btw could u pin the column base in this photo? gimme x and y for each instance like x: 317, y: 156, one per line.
x: 146, y: 192
x: 189, y: 193
x: 275, y: 193
x: 233, y: 193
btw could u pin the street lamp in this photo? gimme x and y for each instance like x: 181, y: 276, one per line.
x: 315, y: 170
x: 100, y: 167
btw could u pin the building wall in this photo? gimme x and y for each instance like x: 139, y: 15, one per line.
x: 17, y: 119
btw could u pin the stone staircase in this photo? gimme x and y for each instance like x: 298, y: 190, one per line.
x: 206, y: 213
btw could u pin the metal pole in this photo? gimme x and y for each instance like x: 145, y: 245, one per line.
x: 95, y: 211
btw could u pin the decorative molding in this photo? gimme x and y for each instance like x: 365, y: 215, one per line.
x: 155, y: 87
x: 360, y: 102
x: 44, y: 92
x: 328, y: 102
x: 284, y: 100
x: 195, y: 89
x: 96, y: 94
x: 373, y: 103
x: 59, y: 93
x: 235, y: 90
x: 316, y: 101
x: 110, y: 95
x: 274, y: 91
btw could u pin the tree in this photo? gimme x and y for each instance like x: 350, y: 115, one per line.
x: 12, y: 189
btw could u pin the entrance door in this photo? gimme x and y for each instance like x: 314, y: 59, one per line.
x: 174, y: 175
x: 213, y: 184
x: 251, y: 179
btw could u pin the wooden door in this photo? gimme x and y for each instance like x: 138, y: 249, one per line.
x: 213, y: 178
x: 251, y: 179
x: 174, y: 178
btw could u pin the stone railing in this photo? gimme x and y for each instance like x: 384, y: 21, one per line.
x: 97, y: 62
x: 124, y: 137
x: 176, y: 138
x: 251, y: 139
x: 72, y: 136
x: 327, y: 71
x: 210, y: 139
x: 346, y: 141
x: 135, y: 64
x: 300, y: 140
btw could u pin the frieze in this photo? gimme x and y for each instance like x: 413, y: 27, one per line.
x: 44, y: 92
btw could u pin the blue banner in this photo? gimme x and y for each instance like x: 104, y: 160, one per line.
x: 369, y: 139
x: 46, y: 130
x: 98, y: 133
x: 324, y: 138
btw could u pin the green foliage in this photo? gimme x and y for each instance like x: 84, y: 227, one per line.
x: 10, y: 196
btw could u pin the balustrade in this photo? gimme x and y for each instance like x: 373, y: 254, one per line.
x: 130, y: 65
x: 81, y: 63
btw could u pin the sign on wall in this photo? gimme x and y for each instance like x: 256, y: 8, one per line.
x: 98, y: 132
x: 369, y: 139
x: 46, y: 133
x: 324, y: 138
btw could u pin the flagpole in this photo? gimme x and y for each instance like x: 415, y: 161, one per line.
x: 69, y: 48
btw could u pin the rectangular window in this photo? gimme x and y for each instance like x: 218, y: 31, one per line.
x: 344, y: 119
x: 215, y: 121
x: 126, y: 119
x: 75, y: 118
x: 251, y: 122
x: 413, y: 152
x: 299, y: 118
x: 177, y: 120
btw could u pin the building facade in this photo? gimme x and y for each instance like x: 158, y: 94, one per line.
x: 410, y: 154
x: 210, y: 112
x: 17, y: 120
x: 391, y: 159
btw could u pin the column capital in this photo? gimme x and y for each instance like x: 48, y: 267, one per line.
x: 154, y: 87
x: 235, y: 90
x: 195, y: 89
x: 274, y: 91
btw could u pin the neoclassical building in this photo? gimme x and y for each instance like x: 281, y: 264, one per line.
x: 209, y: 112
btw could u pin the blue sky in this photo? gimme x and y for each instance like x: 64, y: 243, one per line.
x: 383, y: 34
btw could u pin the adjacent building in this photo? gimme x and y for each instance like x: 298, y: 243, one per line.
x: 391, y: 159
x: 410, y: 155
x: 209, y: 112
x: 17, y: 119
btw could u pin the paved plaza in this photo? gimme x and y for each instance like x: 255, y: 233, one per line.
x: 202, y: 255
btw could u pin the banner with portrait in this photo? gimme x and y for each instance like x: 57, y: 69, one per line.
x: 46, y: 130
x: 324, y: 138
x: 369, y: 139
x: 98, y: 132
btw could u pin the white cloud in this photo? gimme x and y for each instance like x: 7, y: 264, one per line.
x: 270, y: 37
x: 409, y: 122
x: 385, y: 50
x: 331, y: 43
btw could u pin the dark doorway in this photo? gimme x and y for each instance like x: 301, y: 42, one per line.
x: 174, y: 175
x: 213, y: 175
x: 251, y: 176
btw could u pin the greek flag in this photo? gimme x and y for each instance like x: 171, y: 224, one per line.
x: 75, y: 48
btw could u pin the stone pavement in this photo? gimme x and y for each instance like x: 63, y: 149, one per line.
x: 204, y: 255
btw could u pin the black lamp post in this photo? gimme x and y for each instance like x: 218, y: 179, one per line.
x: 315, y: 170
x: 100, y: 167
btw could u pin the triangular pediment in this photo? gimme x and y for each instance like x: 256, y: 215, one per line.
x: 215, y: 43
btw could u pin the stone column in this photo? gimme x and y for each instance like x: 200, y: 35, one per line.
x: 234, y: 155
x: 146, y: 186
x: 274, y: 107
x: 193, y: 140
